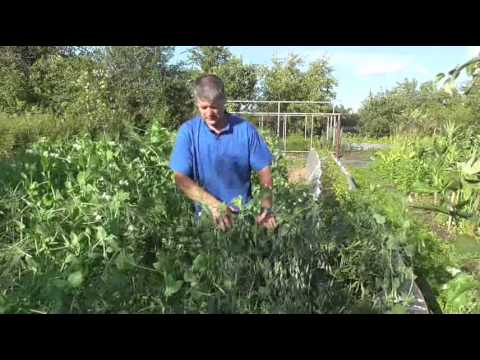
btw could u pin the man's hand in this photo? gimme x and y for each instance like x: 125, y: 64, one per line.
x: 267, y: 220
x: 222, y: 217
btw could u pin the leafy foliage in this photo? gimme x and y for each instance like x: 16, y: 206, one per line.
x: 98, y: 227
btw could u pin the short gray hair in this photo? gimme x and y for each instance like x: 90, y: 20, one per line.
x: 209, y: 87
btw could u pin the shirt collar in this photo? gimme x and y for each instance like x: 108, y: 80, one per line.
x: 226, y: 129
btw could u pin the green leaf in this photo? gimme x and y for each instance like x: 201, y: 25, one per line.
x: 75, y: 279
x: 162, y: 263
x: 398, y: 309
x: 468, y: 88
x: 200, y: 263
x: 124, y: 262
x: 458, y: 286
x: 470, y: 69
x: 101, y: 233
x: 189, y: 277
x: 472, y: 167
x: 421, y: 188
x: 3, y: 305
x: 439, y: 77
x: 172, y: 286
x: 379, y: 219
x: 450, y: 86
x: 467, y: 192
x: 59, y: 283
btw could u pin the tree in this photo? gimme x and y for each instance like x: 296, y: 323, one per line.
x: 17, y: 93
x: 14, y: 89
x: 240, y: 79
x: 319, y: 81
x: 74, y: 87
x: 376, y: 115
x: 349, y: 118
x: 206, y: 58
x: 408, y: 109
x: 179, y: 101
x: 137, y: 76
x: 286, y: 80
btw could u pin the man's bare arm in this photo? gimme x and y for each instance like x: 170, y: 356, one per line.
x: 196, y: 193
x: 266, y: 219
x: 266, y: 180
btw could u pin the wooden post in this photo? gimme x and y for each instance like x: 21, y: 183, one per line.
x: 338, y: 142
x: 341, y: 138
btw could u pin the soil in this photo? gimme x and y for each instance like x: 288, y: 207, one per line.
x: 297, y: 175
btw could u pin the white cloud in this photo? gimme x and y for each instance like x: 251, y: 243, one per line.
x: 380, y: 68
x: 366, y: 63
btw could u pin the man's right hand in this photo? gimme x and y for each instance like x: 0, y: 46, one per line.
x: 222, y: 217
x: 221, y: 213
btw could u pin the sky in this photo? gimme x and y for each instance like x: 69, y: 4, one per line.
x: 361, y: 69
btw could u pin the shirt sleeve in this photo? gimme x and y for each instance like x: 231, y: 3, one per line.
x: 181, y: 159
x: 260, y: 155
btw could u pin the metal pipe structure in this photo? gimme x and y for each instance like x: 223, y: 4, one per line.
x: 334, y: 131
x: 328, y: 129
x: 305, y: 128
x: 277, y: 102
x: 331, y: 118
x: 278, y: 121
x: 311, y: 135
x: 257, y: 113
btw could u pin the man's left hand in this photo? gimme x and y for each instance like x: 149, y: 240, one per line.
x: 267, y: 220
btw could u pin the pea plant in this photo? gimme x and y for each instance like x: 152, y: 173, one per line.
x: 98, y: 226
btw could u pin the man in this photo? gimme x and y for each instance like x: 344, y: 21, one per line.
x: 214, y: 155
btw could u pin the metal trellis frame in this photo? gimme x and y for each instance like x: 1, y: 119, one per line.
x: 332, y: 118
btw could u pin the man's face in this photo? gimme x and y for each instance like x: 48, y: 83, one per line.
x: 212, y: 111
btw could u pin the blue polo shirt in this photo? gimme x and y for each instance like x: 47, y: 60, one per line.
x: 222, y: 163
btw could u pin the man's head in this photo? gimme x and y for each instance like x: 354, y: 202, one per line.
x: 210, y: 99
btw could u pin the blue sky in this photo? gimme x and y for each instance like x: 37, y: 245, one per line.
x: 361, y: 69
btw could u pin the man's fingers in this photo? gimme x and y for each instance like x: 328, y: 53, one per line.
x: 274, y: 222
x: 270, y: 223
x: 224, y: 222
x: 221, y: 225
x: 275, y: 225
x: 228, y: 222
